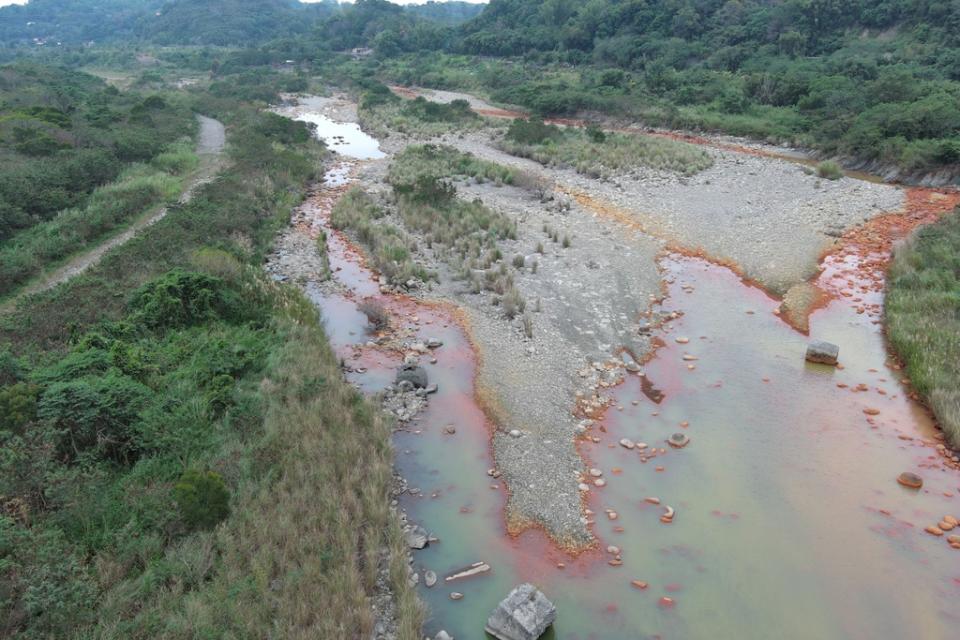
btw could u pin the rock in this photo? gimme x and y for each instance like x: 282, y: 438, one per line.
x: 456, y: 595
x: 442, y: 635
x: 626, y: 443
x: 429, y: 578
x: 515, y: 433
x: 449, y: 429
x: 413, y: 374
x: 911, y: 480
x: 419, y: 347
x: 678, y: 440
x: 433, y: 343
x: 525, y: 614
x: 629, y: 363
x: 416, y: 537
x: 822, y: 352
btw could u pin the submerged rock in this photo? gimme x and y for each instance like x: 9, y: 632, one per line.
x: 822, y: 352
x: 413, y: 374
x: 911, y: 480
x: 523, y: 615
x: 679, y: 440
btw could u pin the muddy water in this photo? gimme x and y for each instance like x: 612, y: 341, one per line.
x: 788, y: 518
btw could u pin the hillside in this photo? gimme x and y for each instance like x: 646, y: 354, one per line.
x: 873, y: 81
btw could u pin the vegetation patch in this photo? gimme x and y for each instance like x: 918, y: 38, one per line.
x: 390, y: 247
x: 381, y: 111
x: 598, y: 154
x: 923, y: 317
x: 173, y: 418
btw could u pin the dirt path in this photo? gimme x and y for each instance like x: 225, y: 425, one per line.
x: 210, y: 144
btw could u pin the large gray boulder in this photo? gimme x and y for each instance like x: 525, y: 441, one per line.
x: 822, y: 352
x: 523, y: 615
x: 415, y: 375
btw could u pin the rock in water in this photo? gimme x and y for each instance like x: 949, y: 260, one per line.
x: 523, y: 615
x: 822, y: 352
x: 417, y: 376
x: 416, y: 537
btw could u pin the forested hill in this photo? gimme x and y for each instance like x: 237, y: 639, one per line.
x: 722, y: 32
x: 207, y: 22
x: 216, y: 22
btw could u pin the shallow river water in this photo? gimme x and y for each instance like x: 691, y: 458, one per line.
x: 789, y: 522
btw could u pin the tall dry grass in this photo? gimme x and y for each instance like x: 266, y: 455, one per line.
x: 923, y: 317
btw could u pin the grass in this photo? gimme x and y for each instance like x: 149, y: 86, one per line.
x: 609, y: 154
x: 390, y: 248
x: 138, y: 189
x: 419, y: 118
x: 829, y: 170
x: 210, y: 367
x: 923, y: 317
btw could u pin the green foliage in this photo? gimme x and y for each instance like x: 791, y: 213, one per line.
x: 182, y: 299
x: 107, y: 208
x: 532, y: 131
x: 922, y: 315
x: 95, y: 414
x: 203, y: 499
x: 598, y: 154
x: 18, y: 405
x: 830, y: 170
x: 390, y: 247
x: 64, y: 133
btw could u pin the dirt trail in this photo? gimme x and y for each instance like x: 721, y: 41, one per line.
x: 210, y: 143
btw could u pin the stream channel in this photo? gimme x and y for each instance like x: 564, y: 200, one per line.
x: 789, y: 521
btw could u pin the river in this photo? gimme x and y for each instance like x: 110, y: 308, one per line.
x: 789, y: 521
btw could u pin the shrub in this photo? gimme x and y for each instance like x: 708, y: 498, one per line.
x: 203, y: 499
x: 95, y: 414
x: 829, y: 170
x: 532, y: 131
x: 182, y: 298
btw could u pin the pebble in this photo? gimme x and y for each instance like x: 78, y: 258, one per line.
x: 639, y: 584
x: 429, y: 578
x: 626, y: 443
x: 596, y: 473
x: 450, y: 429
x: 456, y: 595
x: 683, y: 340
x: 934, y: 530
x: 515, y: 433
x: 870, y: 411
x: 600, y: 482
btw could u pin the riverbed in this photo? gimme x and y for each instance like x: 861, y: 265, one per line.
x: 787, y: 516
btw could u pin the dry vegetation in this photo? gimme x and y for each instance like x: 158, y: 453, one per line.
x: 923, y: 317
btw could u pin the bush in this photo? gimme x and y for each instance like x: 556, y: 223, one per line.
x: 532, y: 131
x: 181, y: 299
x: 203, y: 499
x: 829, y: 170
x: 95, y: 414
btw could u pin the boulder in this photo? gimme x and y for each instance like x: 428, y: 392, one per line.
x: 822, y: 352
x: 523, y: 615
x: 416, y: 537
x: 415, y: 375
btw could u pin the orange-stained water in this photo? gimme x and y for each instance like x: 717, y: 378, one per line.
x: 788, y: 522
